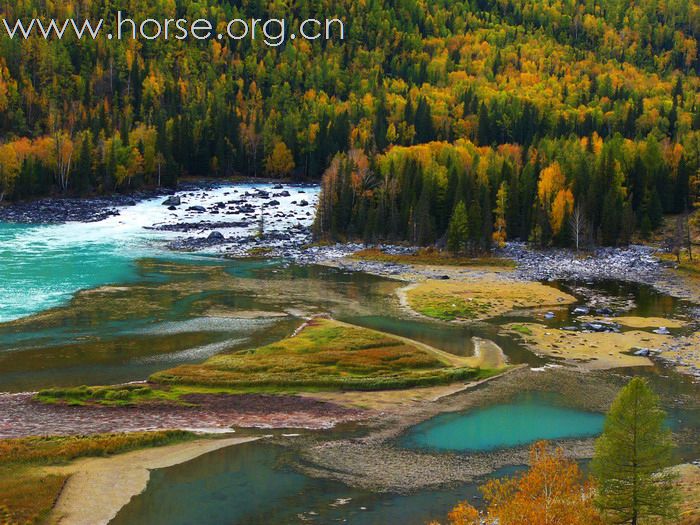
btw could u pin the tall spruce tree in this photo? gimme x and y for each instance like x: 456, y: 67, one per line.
x: 458, y: 230
x: 630, y: 458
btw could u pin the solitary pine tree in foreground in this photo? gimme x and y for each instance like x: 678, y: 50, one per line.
x: 630, y: 458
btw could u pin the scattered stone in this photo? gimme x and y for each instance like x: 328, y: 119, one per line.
x: 634, y: 263
x: 173, y: 200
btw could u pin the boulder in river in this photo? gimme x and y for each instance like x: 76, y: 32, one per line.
x: 173, y: 200
x: 216, y: 236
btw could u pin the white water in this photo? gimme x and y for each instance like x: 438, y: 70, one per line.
x: 44, y: 266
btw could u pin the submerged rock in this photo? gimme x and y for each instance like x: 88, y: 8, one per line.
x: 600, y: 327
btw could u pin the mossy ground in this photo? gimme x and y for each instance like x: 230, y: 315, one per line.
x: 27, y: 492
x: 325, y: 355
x: 686, y: 265
x: 590, y: 350
x: 469, y: 300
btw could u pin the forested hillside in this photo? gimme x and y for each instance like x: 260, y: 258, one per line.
x: 491, y: 119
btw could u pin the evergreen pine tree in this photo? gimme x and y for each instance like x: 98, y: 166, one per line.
x: 484, y: 130
x: 630, y: 458
x: 475, y: 225
x: 611, y: 221
x: 656, y: 211
x: 458, y: 230
x: 424, y: 122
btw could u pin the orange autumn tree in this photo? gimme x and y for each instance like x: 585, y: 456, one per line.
x: 462, y: 514
x: 556, y: 199
x: 552, y: 491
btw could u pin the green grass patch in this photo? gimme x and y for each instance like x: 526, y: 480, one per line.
x: 482, y: 298
x: 521, y: 329
x: 432, y: 256
x: 119, y: 395
x: 451, y: 308
x: 324, y: 355
x: 685, y: 265
x: 259, y: 251
x: 27, y: 492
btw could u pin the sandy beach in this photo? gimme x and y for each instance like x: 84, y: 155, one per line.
x: 99, y: 487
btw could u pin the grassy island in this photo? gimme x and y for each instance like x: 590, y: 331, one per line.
x: 480, y: 299
x: 328, y: 355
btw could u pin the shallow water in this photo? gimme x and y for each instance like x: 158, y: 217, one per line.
x: 623, y: 298
x: 250, y: 485
x: 521, y: 422
x: 173, y: 312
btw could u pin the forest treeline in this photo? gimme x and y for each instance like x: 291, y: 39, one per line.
x: 514, y: 114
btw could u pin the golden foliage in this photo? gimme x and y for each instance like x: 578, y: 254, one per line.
x: 281, y: 161
x: 551, y: 492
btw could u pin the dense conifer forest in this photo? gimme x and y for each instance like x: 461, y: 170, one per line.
x: 464, y: 123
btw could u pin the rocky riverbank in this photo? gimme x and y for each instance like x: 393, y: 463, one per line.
x: 60, y: 210
x: 634, y: 264
x: 239, y: 220
x: 21, y: 415
x: 638, y: 264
